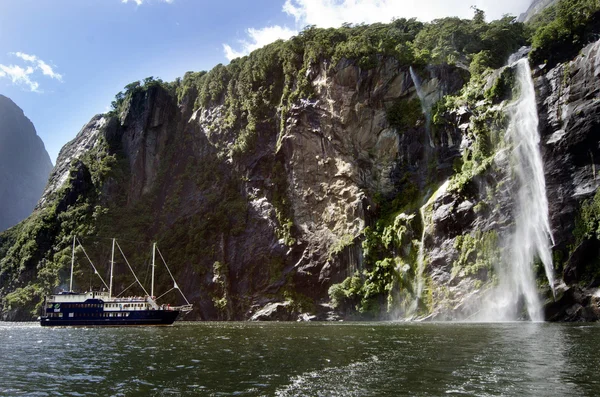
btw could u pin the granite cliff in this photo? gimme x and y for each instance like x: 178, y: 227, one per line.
x: 365, y: 178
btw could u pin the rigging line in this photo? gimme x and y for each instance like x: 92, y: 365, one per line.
x: 130, y: 285
x: 146, y: 274
x: 121, y: 239
x: 188, y: 302
x: 91, y: 263
x: 164, y: 294
x: 132, y: 272
x: 171, y: 274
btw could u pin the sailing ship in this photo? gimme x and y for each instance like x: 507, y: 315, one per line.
x: 101, y: 308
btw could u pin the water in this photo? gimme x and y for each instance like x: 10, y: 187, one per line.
x: 302, y: 359
x: 531, y: 236
x: 421, y: 255
x: 425, y: 105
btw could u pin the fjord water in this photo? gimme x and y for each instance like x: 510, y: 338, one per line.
x: 531, y: 236
x: 302, y: 359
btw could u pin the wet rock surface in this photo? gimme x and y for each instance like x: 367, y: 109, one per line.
x: 569, y: 108
x: 306, y: 192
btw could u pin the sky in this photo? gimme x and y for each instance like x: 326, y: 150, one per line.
x: 63, y: 61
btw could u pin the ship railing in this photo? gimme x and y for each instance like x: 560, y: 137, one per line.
x: 183, y: 308
x: 152, y: 303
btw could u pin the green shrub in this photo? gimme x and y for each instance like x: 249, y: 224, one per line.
x: 405, y: 114
x: 563, y: 29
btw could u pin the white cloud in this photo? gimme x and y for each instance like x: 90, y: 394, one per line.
x: 25, y: 57
x: 258, y: 38
x: 333, y: 13
x: 40, y: 65
x: 18, y: 75
x: 21, y: 75
x: 139, y: 2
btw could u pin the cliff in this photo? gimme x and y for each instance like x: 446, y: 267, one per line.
x: 365, y: 178
x: 536, y: 7
x: 24, y: 165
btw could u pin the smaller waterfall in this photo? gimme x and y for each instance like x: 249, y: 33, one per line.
x: 420, y: 282
x: 531, y: 235
x: 425, y: 105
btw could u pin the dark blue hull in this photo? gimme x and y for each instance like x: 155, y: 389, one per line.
x: 146, y: 317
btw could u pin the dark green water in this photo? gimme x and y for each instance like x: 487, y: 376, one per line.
x: 302, y: 359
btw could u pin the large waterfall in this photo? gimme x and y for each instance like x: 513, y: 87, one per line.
x: 531, y: 235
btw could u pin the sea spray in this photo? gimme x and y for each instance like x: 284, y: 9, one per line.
x: 425, y: 105
x: 531, y: 236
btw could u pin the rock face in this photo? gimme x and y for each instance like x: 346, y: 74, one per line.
x: 569, y: 113
x: 24, y: 165
x: 569, y: 106
x: 536, y: 7
x: 350, y: 204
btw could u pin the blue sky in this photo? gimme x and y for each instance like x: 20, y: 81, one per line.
x: 62, y: 61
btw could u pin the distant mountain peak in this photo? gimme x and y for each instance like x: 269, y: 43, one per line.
x: 24, y: 164
x: 536, y: 7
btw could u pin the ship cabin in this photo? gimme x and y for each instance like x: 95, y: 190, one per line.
x: 94, y: 304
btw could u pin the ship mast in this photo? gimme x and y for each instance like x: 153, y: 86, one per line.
x: 112, y: 265
x: 72, y: 263
x: 153, y: 257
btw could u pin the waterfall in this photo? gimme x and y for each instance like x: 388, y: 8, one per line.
x: 531, y: 235
x: 425, y: 106
x: 421, y: 256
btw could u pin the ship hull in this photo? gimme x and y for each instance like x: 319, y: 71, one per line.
x: 141, y: 318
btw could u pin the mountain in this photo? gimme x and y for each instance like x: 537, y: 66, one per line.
x: 378, y: 171
x: 24, y: 165
x: 535, y: 8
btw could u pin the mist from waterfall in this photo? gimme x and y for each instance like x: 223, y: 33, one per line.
x: 531, y: 237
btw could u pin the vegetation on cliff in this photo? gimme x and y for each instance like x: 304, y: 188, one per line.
x: 560, y: 31
x: 199, y: 202
x: 36, y: 253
